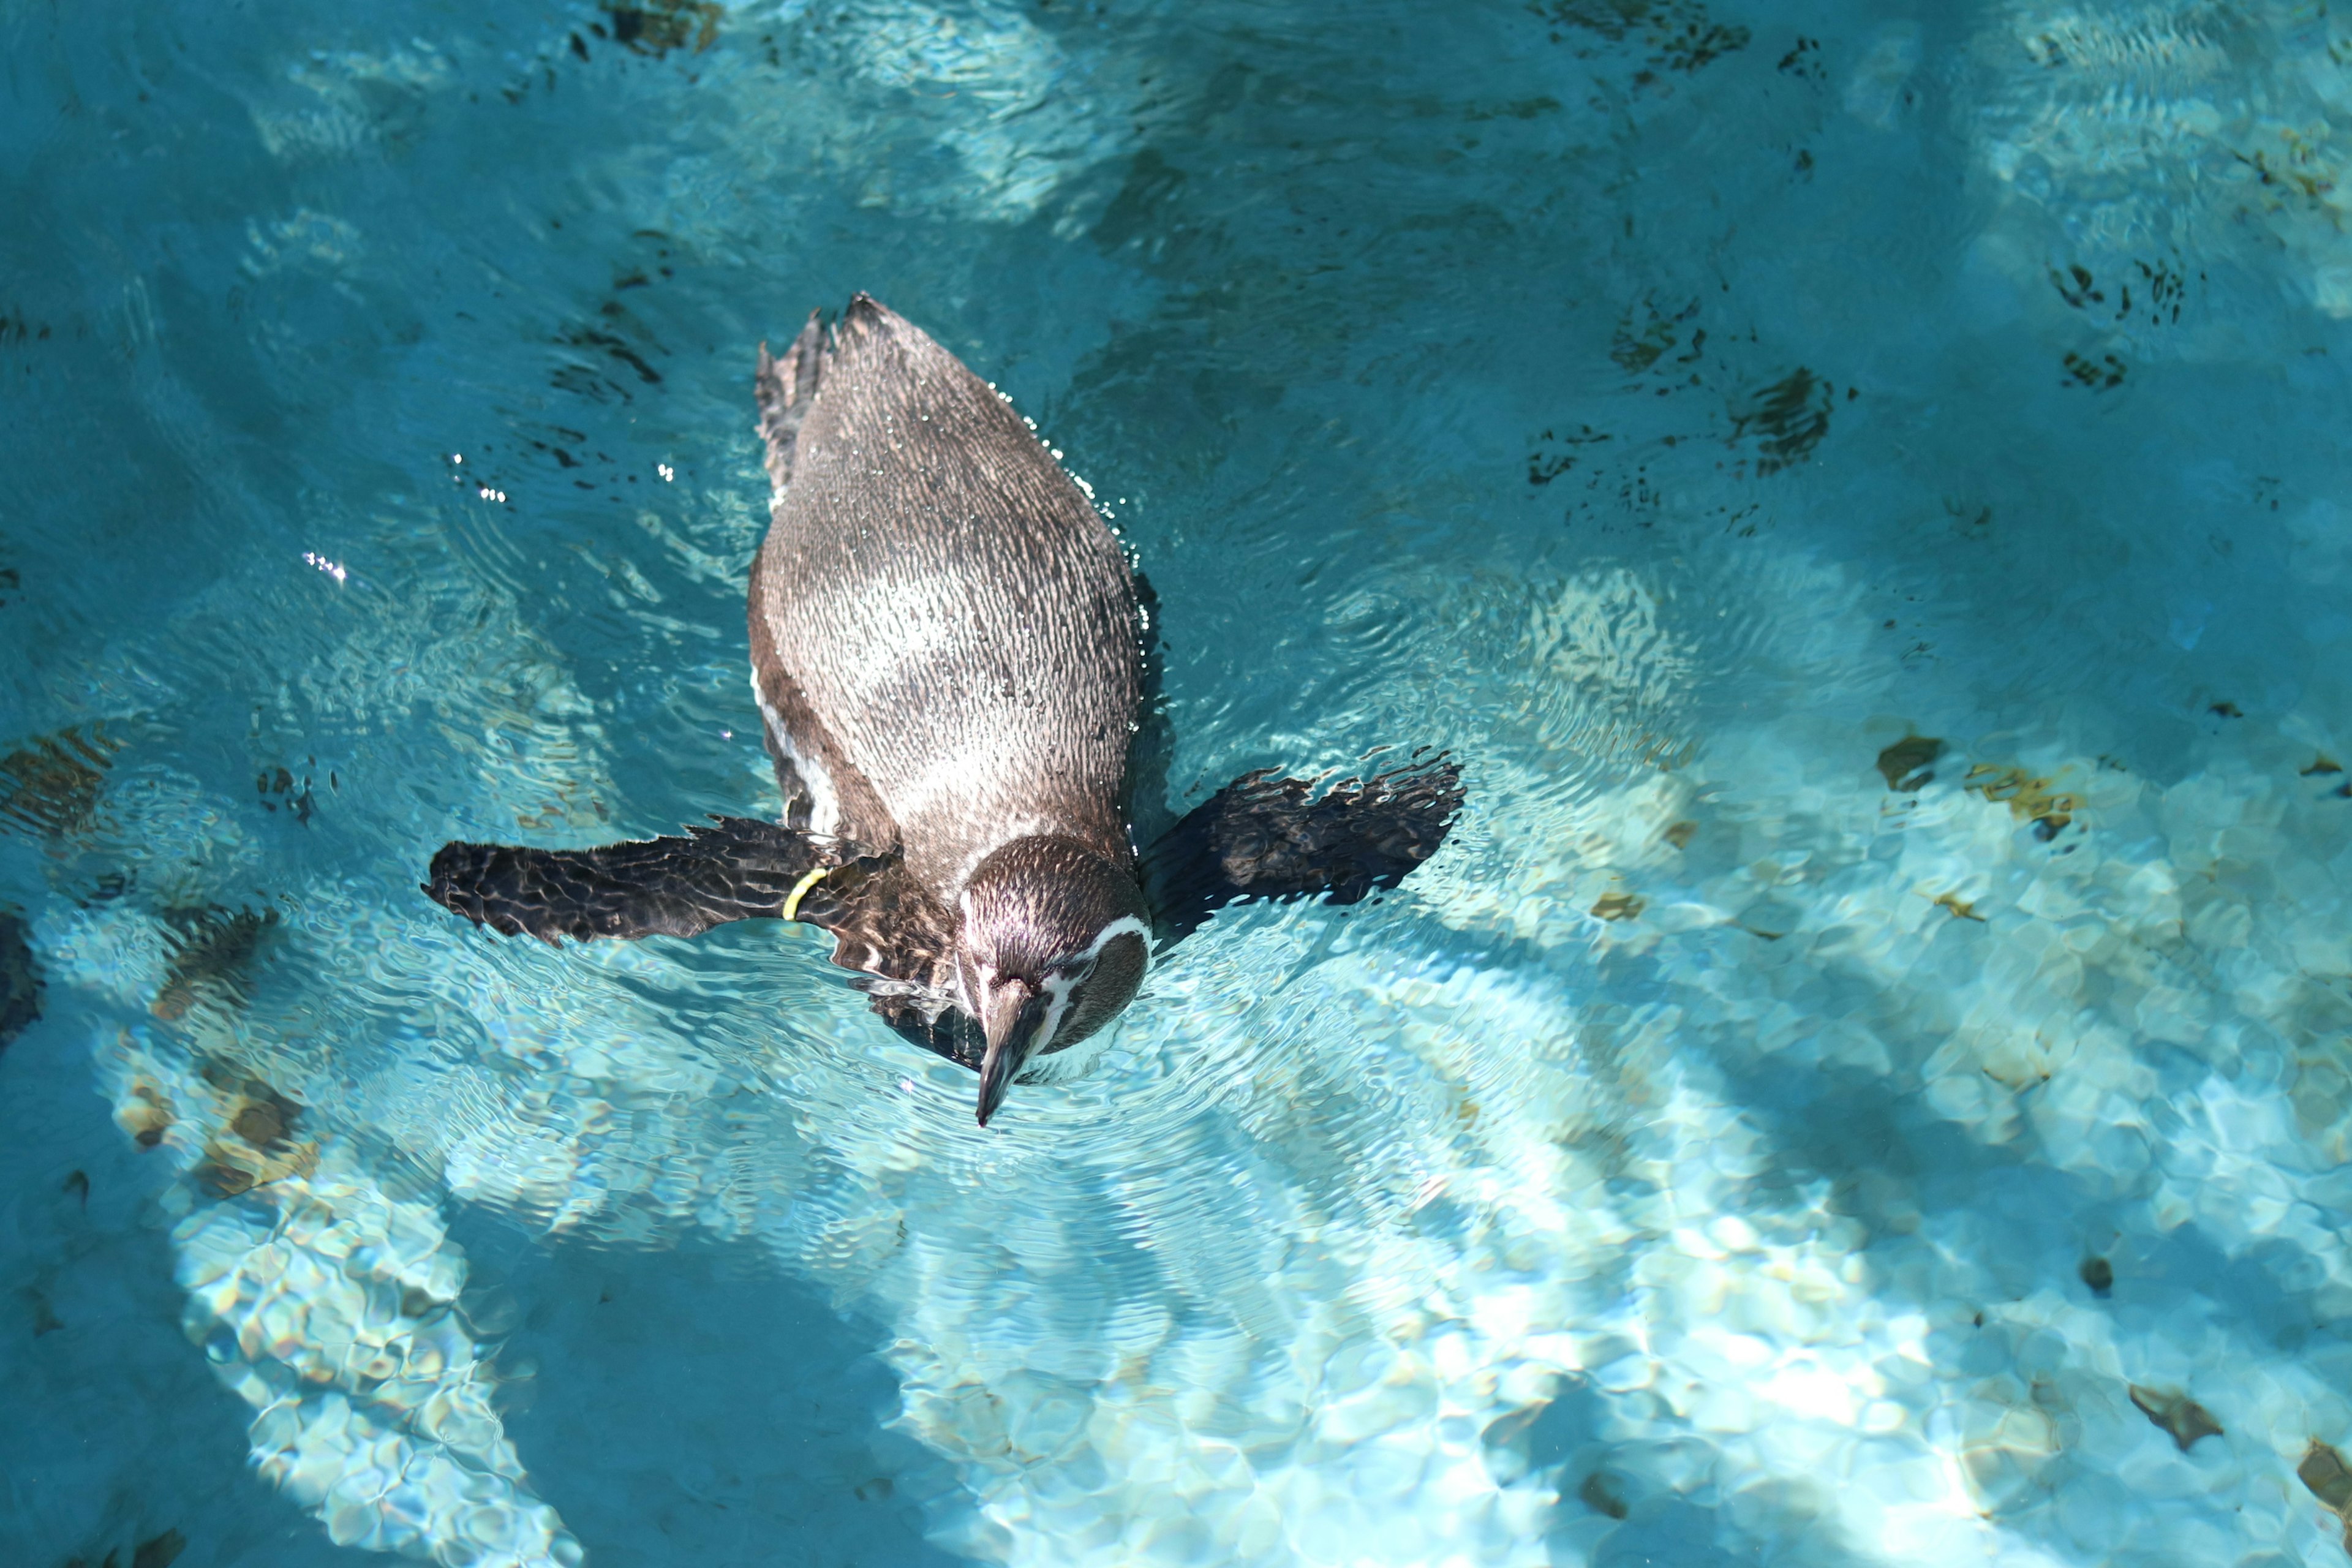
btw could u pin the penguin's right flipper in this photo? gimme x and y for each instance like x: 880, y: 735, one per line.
x: 1267, y: 837
x: 738, y: 870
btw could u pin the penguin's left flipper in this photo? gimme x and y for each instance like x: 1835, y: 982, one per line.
x: 738, y: 870
x: 1267, y: 837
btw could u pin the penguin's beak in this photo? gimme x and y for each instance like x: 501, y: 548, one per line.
x: 1009, y: 1015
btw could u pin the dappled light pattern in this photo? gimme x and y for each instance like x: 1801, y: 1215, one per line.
x: 1855, y: 489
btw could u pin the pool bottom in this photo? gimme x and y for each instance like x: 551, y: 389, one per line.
x: 1797, y: 1255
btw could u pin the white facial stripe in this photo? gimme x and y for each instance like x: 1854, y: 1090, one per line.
x: 1058, y: 984
x: 1126, y: 925
x: 987, y: 973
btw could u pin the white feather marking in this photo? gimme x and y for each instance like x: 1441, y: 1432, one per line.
x: 1126, y: 925
x: 825, y: 806
x: 987, y: 973
x: 1059, y: 984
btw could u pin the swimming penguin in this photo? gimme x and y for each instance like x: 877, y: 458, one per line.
x: 949, y: 660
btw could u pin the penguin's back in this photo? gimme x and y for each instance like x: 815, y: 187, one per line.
x: 939, y: 620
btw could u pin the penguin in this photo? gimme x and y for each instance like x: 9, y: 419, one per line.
x: 949, y: 654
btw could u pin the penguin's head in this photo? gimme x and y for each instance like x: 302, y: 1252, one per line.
x: 1051, y: 941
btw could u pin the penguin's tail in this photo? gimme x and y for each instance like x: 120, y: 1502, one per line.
x: 785, y: 388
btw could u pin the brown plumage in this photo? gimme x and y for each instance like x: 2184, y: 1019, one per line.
x: 940, y: 592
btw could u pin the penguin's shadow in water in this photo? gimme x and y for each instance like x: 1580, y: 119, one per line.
x: 126, y: 1441
x: 686, y: 1407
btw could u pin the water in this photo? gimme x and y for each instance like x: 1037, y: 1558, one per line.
x: 1761, y: 1135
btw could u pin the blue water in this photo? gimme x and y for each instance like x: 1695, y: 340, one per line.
x: 1860, y: 486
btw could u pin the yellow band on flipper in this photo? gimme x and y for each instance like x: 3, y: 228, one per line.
x: 800, y: 892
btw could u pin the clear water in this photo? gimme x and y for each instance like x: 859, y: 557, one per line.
x: 1726, y: 1152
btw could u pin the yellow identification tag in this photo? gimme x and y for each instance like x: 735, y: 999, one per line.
x: 800, y: 892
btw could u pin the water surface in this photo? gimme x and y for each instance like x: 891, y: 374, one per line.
x: 1858, y: 485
